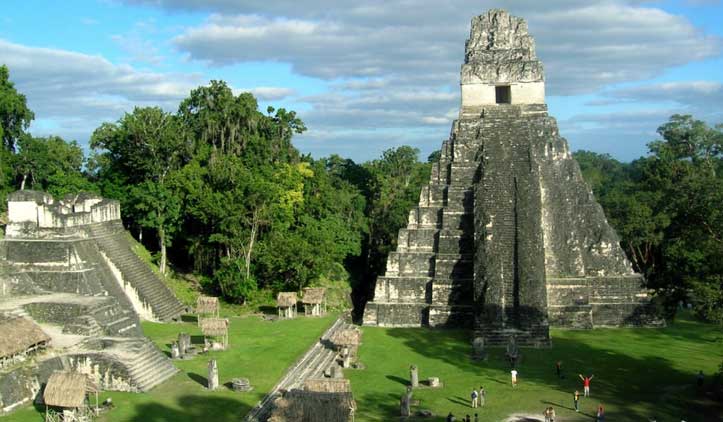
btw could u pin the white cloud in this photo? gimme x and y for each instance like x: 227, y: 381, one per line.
x: 699, y: 96
x: 268, y: 93
x: 393, y: 66
x: 77, y: 90
x: 584, y: 45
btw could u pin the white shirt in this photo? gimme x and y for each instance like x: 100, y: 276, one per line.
x: 514, y: 373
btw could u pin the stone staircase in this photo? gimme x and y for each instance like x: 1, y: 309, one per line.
x: 148, y: 366
x: 137, y: 363
x: 85, y: 326
x: 114, y: 320
x: 320, y: 357
x: 429, y: 278
x: 112, y: 241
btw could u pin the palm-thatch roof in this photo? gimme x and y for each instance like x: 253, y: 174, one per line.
x: 213, y: 327
x: 286, y: 299
x: 67, y: 389
x: 321, y: 400
x: 313, y: 295
x: 327, y: 385
x: 348, y: 337
x: 18, y: 335
x: 206, y: 305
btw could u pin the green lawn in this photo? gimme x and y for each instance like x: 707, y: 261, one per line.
x: 639, y: 373
x: 260, y: 351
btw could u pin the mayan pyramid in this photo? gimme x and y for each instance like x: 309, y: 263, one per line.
x: 507, y: 237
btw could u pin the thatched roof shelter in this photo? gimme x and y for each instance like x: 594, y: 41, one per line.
x: 321, y: 400
x: 327, y: 385
x: 19, y: 335
x: 348, y: 337
x: 313, y: 295
x: 214, y: 327
x: 67, y: 389
x: 207, y: 305
x: 286, y: 299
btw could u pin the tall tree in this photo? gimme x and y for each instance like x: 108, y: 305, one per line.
x: 50, y: 164
x: 394, y: 183
x: 145, y: 149
x: 666, y: 207
x: 15, y: 116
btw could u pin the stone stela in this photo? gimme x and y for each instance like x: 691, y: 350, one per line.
x: 507, y: 237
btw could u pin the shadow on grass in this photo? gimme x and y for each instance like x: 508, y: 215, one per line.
x: 268, y: 310
x: 198, y: 378
x: 194, y: 408
x: 558, y: 405
x: 384, y: 403
x: 398, y: 379
x: 189, y: 318
x: 621, y: 379
x: 459, y: 400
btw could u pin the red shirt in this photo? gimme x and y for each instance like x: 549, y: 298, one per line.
x: 586, y: 382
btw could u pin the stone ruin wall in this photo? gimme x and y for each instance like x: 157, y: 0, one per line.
x: 79, y: 245
x: 34, y: 214
x: 69, y: 263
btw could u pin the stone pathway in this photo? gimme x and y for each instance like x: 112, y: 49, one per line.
x: 312, y: 365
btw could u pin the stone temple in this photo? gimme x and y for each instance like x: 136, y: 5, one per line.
x: 68, y: 274
x: 507, y: 238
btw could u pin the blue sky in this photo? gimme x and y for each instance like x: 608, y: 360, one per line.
x: 364, y: 76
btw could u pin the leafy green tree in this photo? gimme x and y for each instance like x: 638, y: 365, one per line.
x: 666, y: 207
x: 235, y: 283
x: 50, y: 164
x: 142, y: 152
x: 394, y: 183
x: 325, y: 227
x: 15, y: 116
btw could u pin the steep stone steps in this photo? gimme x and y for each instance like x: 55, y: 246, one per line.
x: 312, y: 365
x: 113, y: 319
x: 150, y: 367
x: 84, y: 325
x: 400, y: 289
x: 149, y: 287
x: 437, y: 244
x: 145, y: 365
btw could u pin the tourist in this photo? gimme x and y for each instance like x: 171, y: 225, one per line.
x: 475, y: 396
x: 576, y: 398
x: 467, y: 419
x: 547, y: 414
x: 586, y: 384
x: 450, y: 417
x: 552, y: 414
x: 699, y: 379
x: 558, y: 368
x: 476, y: 418
x: 482, y: 395
x: 513, y: 373
x: 600, y: 413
